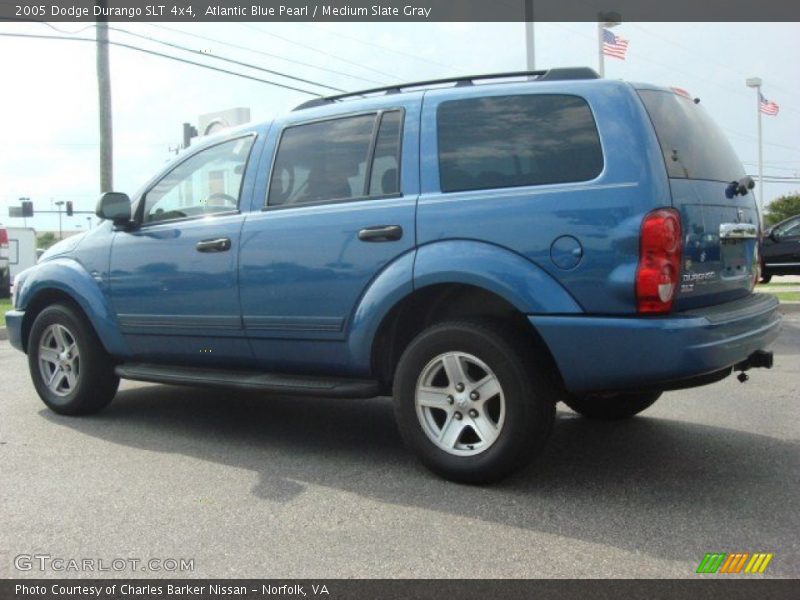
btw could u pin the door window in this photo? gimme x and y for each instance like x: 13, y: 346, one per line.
x: 209, y: 182
x: 328, y: 160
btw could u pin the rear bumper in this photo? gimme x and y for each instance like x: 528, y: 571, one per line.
x: 616, y: 353
x: 14, y: 327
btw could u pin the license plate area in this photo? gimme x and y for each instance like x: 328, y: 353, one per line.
x: 733, y: 256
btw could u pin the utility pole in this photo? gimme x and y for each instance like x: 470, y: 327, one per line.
x: 104, y: 106
x: 59, y: 204
x: 530, y: 40
x: 755, y: 82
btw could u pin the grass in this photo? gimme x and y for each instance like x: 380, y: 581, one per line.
x: 5, y: 304
x: 777, y: 285
x: 788, y: 296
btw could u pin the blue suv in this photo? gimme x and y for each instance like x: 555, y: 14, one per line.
x: 480, y: 248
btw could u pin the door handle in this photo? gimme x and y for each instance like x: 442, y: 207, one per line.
x: 216, y: 245
x: 382, y: 233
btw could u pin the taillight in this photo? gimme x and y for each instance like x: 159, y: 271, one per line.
x: 3, y: 238
x: 659, y: 261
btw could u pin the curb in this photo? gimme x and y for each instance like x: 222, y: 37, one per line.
x: 3, y: 333
x: 789, y: 307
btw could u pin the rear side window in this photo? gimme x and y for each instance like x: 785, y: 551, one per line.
x: 506, y: 141
x: 338, y: 159
x: 692, y: 144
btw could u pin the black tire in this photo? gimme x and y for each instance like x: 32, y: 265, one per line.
x: 766, y: 277
x: 95, y: 382
x: 527, y: 394
x: 612, y: 407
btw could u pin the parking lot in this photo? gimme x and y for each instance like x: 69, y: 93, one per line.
x: 248, y: 486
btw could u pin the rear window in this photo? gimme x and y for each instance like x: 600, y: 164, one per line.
x: 507, y: 141
x: 692, y: 144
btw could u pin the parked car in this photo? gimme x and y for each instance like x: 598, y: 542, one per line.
x: 5, y: 276
x: 480, y: 248
x: 781, y: 249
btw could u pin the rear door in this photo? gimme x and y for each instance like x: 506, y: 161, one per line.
x: 720, y: 229
x: 338, y: 208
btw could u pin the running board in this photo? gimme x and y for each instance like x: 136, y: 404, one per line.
x: 297, y: 385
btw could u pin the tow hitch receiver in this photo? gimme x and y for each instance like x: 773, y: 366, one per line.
x: 760, y: 359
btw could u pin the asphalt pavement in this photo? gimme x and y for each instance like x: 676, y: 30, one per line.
x: 250, y: 486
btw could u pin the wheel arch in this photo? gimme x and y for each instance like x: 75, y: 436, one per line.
x: 64, y: 280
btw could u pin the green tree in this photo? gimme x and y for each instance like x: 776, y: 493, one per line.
x: 782, y: 208
x: 45, y: 240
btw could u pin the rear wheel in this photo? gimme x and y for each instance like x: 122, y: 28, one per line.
x: 471, y: 401
x: 609, y: 407
x: 70, y: 369
x: 766, y: 277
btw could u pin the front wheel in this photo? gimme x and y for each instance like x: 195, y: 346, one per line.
x: 610, y: 407
x: 70, y: 369
x: 471, y: 401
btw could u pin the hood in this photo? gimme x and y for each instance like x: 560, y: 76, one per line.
x: 63, y: 247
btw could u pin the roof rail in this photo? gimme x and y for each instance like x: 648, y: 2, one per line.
x: 561, y: 74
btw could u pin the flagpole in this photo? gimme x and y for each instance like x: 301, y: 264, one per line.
x: 601, y: 61
x: 605, y: 20
x: 755, y: 82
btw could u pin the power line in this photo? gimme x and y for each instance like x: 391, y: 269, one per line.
x: 223, y: 58
x: 261, y: 52
x: 162, y: 55
x: 317, y: 50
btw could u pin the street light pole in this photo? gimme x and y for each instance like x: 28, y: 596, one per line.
x: 755, y: 82
x: 59, y: 204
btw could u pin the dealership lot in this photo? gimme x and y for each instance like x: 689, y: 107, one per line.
x: 247, y: 486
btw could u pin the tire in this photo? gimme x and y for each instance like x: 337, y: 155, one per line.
x: 498, y: 430
x: 83, y: 382
x: 612, y: 407
x: 766, y: 277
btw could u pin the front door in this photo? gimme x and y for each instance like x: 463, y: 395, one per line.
x: 339, y: 208
x: 174, y: 276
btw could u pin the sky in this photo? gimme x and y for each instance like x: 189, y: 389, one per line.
x: 50, y: 142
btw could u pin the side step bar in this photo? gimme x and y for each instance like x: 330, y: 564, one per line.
x: 297, y: 385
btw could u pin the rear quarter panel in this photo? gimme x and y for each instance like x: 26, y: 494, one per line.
x: 603, y: 214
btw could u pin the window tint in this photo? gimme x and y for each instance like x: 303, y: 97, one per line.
x: 692, y: 144
x: 385, y: 177
x: 322, y: 161
x: 208, y: 182
x: 506, y: 141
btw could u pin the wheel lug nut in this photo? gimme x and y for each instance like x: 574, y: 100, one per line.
x: 459, y: 387
x: 474, y: 395
x: 458, y: 416
x: 450, y: 399
x: 473, y: 413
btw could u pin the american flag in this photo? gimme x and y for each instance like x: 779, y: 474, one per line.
x: 613, y: 45
x: 766, y: 106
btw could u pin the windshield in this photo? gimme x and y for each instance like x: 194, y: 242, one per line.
x: 692, y: 144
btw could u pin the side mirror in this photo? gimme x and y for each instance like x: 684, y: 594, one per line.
x: 115, y: 207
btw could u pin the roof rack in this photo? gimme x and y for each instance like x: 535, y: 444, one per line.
x: 561, y: 74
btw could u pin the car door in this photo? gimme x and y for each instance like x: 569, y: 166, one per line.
x: 173, y: 276
x: 782, y: 248
x: 339, y: 207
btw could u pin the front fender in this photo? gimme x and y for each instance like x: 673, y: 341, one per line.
x: 69, y: 277
x: 530, y: 289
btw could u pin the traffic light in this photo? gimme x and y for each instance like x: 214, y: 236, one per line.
x: 69, y: 208
x: 188, y: 133
x: 27, y: 208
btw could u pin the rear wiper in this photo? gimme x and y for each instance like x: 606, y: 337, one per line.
x: 741, y: 187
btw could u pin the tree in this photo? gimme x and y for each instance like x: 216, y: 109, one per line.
x: 45, y: 240
x: 782, y: 208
